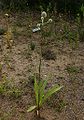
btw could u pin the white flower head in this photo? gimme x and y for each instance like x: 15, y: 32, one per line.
x: 36, y: 29
x: 60, y: 30
x: 44, y: 14
x: 50, y: 21
x: 42, y: 19
x: 7, y: 15
x: 38, y: 25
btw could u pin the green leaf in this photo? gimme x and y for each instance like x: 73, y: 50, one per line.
x: 36, y: 89
x: 42, y: 89
x: 40, y: 84
x: 82, y: 8
x: 31, y: 108
x: 51, y: 91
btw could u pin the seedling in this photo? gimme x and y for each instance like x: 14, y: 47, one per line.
x: 72, y: 69
x: 2, y: 31
x: 8, y: 34
x: 15, y: 92
x: 32, y: 45
x: 8, y: 89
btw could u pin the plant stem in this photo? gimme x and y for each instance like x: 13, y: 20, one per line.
x: 38, y: 108
x: 38, y: 113
x: 40, y: 61
x: 39, y: 80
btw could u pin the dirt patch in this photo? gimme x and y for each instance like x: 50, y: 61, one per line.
x: 64, y: 67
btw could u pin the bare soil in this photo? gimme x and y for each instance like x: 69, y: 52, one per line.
x: 65, y: 66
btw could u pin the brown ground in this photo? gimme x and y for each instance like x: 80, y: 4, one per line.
x: 19, y: 65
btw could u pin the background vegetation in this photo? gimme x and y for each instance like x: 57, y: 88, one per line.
x: 61, y: 5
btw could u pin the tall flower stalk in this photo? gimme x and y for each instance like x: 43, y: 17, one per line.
x: 43, y: 16
x: 39, y: 87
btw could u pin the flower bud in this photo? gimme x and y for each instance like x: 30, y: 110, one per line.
x: 50, y: 21
x: 7, y: 15
x: 44, y: 14
x: 38, y: 25
x: 42, y: 19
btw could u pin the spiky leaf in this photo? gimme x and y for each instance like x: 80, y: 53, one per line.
x: 31, y: 108
x: 42, y: 89
x: 36, y: 89
x: 51, y: 91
